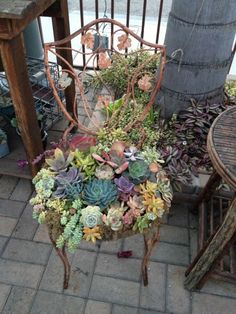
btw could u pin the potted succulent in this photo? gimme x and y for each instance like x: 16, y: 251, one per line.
x: 4, y: 149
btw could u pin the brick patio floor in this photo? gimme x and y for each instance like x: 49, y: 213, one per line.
x: 31, y: 273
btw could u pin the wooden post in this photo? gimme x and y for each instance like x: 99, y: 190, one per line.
x: 61, y: 29
x: 213, y: 251
x: 206, y: 193
x: 13, y: 58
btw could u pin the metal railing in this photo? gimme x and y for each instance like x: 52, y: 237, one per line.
x: 125, y: 14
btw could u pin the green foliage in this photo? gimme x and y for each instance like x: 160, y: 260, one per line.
x: 100, y: 193
x: 45, y: 186
x: 72, y: 234
x: 122, y: 68
x: 138, y: 171
x: 141, y: 223
x: 85, y: 162
x: 230, y: 88
x: 114, y: 106
x: 107, y: 137
x: 151, y: 155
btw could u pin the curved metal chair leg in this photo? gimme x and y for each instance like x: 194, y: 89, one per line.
x: 66, y: 264
x: 150, y: 239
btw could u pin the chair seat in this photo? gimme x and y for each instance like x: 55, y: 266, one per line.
x: 221, y: 145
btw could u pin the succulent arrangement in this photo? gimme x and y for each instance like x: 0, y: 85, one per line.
x: 121, y: 180
x: 123, y: 191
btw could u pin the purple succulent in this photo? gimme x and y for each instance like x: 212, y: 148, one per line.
x: 69, y: 183
x: 124, y: 185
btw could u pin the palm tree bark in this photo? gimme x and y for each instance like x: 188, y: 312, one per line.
x: 199, y: 42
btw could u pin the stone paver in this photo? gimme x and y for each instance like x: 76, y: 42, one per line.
x: 83, y: 268
x: 120, y: 309
x: 219, y: 287
x: 85, y: 245
x: 4, y: 292
x: 27, y: 251
x: 171, y: 253
x: 41, y: 234
x: 114, y: 290
x: 153, y: 296
x: 126, y: 268
x: 7, y: 225
x: 11, y: 208
x: 47, y: 302
x: 19, y: 301
x: 53, y: 276
x: 2, y: 243
x: 212, y: 304
x: 31, y: 273
x: 7, y: 185
x: 178, y: 215
x: 135, y: 244
x: 174, y: 234
x: 26, y: 226
x: 22, y: 274
x: 22, y: 190
x: 111, y: 246
x: 93, y: 307
x: 193, y: 243
x: 178, y: 299
x: 193, y: 220
x: 142, y: 311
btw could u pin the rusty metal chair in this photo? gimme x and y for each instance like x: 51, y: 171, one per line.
x: 97, y: 51
x: 217, y: 213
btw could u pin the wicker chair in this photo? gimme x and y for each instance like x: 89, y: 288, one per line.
x: 217, y: 213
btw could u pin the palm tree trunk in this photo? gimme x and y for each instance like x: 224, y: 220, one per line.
x: 199, y: 40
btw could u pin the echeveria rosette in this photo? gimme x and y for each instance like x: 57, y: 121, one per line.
x: 125, y: 188
x: 91, y: 216
x: 59, y: 160
x: 138, y: 171
x: 124, y: 185
x: 100, y: 193
x: 114, y: 218
x: 104, y: 172
x: 69, y: 184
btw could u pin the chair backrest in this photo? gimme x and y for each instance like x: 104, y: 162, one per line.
x: 100, y: 52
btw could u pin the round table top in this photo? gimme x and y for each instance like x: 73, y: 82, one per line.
x: 221, y: 145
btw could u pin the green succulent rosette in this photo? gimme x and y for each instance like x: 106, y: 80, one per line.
x: 138, y: 171
x: 100, y: 193
x: 91, y: 216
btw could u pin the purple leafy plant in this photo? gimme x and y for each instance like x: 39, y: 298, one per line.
x: 125, y: 188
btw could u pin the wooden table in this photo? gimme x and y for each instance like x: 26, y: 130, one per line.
x: 221, y: 146
x: 15, y: 15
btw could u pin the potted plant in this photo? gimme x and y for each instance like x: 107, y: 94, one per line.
x: 4, y: 149
x: 43, y: 132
